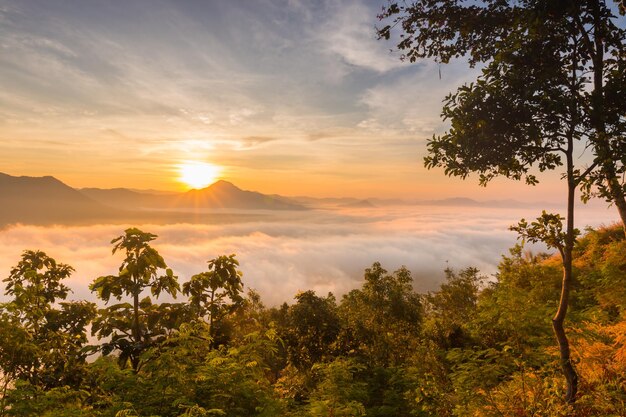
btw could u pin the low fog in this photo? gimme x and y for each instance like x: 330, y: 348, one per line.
x: 322, y: 250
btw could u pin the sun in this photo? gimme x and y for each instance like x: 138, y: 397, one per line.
x: 198, y: 174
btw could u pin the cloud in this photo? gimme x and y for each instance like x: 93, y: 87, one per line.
x: 412, y: 103
x: 288, y: 252
x: 319, y: 250
x: 350, y: 34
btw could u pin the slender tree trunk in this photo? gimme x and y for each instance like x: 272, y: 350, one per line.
x: 620, y: 203
x: 558, y: 320
x: 134, y: 360
x: 617, y: 196
x: 603, y: 150
x: 136, y: 329
x: 211, y: 311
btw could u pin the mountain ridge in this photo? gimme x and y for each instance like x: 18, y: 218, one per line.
x: 46, y: 201
x: 219, y: 195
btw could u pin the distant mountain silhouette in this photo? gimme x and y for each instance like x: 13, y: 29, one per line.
x: 359, y: 204
x: 125, y: 198
x: 322, y: 201
x: 45, y: 200
x: 220, y: 195
x: 468, y: 202
x: 224, y: 194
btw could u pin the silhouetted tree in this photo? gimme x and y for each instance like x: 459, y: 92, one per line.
x: 534, y: 103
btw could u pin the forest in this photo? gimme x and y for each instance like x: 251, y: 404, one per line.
x: 478, y: 345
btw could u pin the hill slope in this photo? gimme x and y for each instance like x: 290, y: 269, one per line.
x: 45, y: 200
x: 224, y: 194
x: 220, y: 195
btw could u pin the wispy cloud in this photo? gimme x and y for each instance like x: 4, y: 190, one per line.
x: 349, y: 33
x: 405, y: 104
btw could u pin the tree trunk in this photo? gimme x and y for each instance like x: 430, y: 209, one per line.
x: 617, y: 195
x: 571, y: 378
x: 134, y: 360
x: 603, y: 149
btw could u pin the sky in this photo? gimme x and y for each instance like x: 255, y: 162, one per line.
x: 293, y: 97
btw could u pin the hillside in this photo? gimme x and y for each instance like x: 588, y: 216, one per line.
x: 224, y: 194
x: 220, y: 195
x: 43, y: 200
x: 46, y: 201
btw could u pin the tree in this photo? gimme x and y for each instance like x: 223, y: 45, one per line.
x: 216, y: 292
x: 311, y: 329
x: 382, y: 319
x: 450, y: 309
x: 133, y: 327
x: 533, y: 105
x: 602, y: 59
x: 584, y: 37
x: 42, y: 339
x: 337, y: 392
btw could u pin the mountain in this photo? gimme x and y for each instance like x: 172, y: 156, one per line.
x: 359, y: 204
x: 468, y: 202
x: 220, y: 195
x: 125, y: 198
x: 322, y: 201
x: 48, y: 201
x: 39, y: 200
x: 224, y: 194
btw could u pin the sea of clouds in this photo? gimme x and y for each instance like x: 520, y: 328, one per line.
x: 283, y: 253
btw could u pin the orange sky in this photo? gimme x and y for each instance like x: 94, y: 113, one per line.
x: 109, y: 95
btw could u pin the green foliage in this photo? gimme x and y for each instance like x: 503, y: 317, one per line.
x: 515, y: 310
x: 138, y: 271
x: 311, y: 329
x: 474, y: 347
x: 132, y: 328
x: 451, y: 309
x: 384, y: 316
x: 35, y: 284
x: 43, y: 337
x: 217, y: 292
x: 28, y: 400
x: 601, y: 260
x: 337, y: 393
x: 548, y: 229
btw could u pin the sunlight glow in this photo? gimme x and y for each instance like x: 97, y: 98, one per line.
x: 198, y: 174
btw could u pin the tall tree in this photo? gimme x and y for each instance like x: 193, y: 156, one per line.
x: 602, y: 60
x: 453, y: 306
x: 584, y: 36
x: 534, y: 104
x: 132, y: 327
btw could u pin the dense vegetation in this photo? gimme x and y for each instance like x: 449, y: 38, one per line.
x: 476, y: 346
